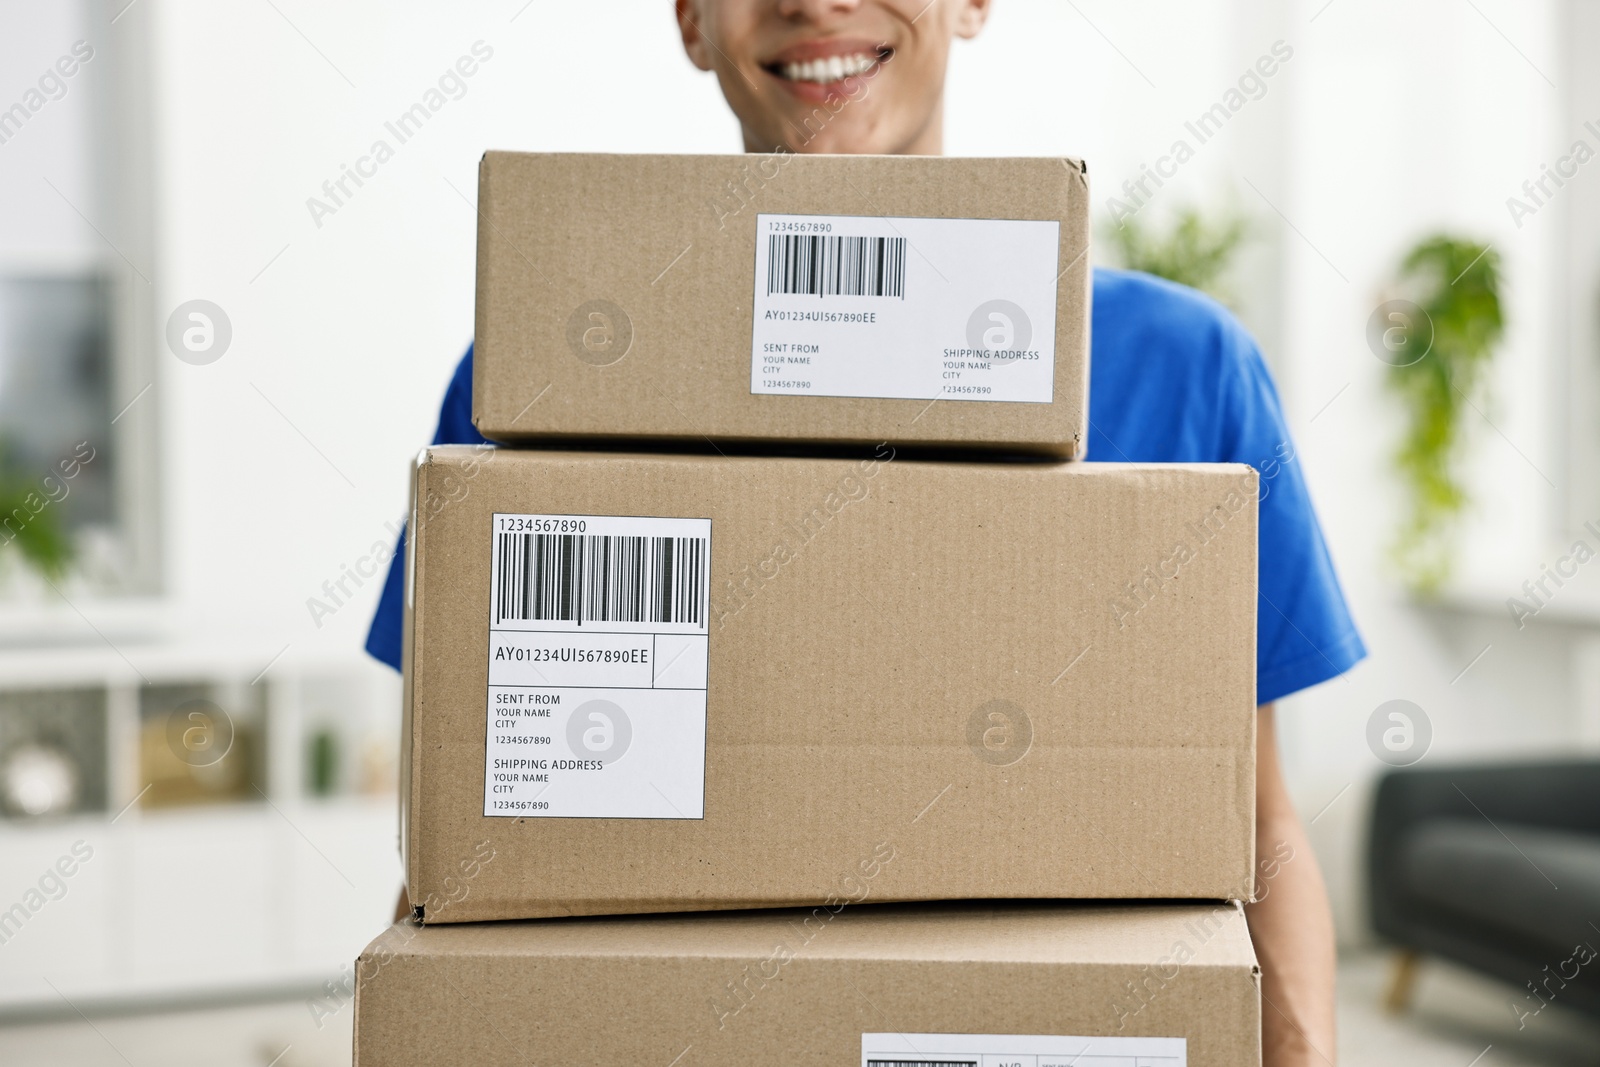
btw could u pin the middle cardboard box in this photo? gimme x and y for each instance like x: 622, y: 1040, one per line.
x: 650, y: 682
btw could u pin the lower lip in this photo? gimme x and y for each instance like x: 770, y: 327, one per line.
x: 825, y: 92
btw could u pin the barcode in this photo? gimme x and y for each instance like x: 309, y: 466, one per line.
x: 584, y: 578
x: 819, y: 265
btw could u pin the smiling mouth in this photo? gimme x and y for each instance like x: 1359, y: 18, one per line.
x: 831, y: 70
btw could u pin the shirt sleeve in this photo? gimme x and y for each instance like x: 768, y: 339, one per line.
x: 1304, y: 632
x: 455, y: 428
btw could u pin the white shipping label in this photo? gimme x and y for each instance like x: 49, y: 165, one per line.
x: 903, y: 308
x: 1020, y: 1050
x: 598, y: 654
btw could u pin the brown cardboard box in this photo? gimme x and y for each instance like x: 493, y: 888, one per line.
x: 1026, y: 680
x: 823, y: 299
x: 1030, y: 985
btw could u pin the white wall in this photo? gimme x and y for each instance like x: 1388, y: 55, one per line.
x: 1427, y: 124
x: 283, y: 461
x: 353, y: 330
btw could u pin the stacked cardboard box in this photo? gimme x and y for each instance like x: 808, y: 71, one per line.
x: 874, y: 669
x: 1056, y: 985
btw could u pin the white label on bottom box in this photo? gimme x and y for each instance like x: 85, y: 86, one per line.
x: 598, y: 654
x: 1020, y: 1050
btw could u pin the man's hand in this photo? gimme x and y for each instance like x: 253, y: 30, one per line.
x: 1290, y: 922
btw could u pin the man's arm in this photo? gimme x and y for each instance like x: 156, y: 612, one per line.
x: 1290, y: 922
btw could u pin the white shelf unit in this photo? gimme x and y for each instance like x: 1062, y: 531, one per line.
x: 276, y: 891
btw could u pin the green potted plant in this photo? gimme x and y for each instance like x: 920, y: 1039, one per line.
x: 30, y: 524
x: 1196, y: 249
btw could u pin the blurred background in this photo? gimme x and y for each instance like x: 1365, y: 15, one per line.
x: 193, y: 529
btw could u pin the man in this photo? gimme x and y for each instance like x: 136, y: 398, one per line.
x: 1173, y: 378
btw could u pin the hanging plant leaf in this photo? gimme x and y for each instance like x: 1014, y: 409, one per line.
x: 1456, y: 284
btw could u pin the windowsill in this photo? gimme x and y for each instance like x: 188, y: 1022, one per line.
x: 1575, y: 603
x: 56, y: 623
x: 128, y: 640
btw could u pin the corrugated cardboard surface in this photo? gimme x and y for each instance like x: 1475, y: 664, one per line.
x: 670, y: 241
x: 843, y: 690
x: 802, y: 987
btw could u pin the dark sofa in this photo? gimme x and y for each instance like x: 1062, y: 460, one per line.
x: 1496, y: 867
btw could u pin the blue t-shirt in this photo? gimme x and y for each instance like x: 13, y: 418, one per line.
x: 1173, y: 377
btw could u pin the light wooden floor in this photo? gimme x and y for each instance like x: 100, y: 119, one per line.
x: 1454, y: 1016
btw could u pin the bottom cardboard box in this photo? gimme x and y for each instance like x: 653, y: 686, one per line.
x: 980, y: 985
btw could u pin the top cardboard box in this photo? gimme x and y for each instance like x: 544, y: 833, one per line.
x: 826, y: 300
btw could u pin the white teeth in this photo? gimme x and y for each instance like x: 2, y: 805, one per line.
x: 832, y: 69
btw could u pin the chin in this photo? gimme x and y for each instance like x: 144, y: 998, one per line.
x: 842, y: 145
x: 844, y: 134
